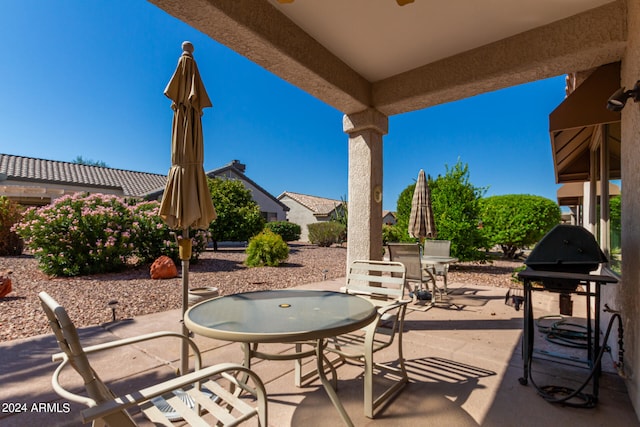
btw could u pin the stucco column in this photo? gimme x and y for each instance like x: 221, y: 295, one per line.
x: 365, y: 130
x: 629, y: 287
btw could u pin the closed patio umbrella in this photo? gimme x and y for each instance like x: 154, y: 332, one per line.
x: 186, y: 202
x: 421, y: 222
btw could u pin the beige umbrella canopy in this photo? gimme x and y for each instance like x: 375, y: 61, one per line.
x: 186, y: 202
x: 421, y: 222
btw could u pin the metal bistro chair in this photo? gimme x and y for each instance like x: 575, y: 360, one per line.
x: 409, y: 255
x: 439, y: 248
x: 383, y: 284
x: 188, y: 397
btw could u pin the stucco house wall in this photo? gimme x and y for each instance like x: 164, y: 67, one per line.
x: 302, y: 215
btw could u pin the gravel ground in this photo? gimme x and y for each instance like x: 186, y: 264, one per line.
x: 86, y: 297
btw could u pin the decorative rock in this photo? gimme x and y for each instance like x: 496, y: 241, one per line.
x: 5, y: 283
x: 163, y: 268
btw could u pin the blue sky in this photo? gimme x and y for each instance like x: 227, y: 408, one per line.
x: 86, y: 78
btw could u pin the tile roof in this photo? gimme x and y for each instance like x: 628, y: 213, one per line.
x: 31, y: 169
x: 318, y: 205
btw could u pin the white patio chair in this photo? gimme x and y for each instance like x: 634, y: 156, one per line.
x: 439, y: 248
x: 409, y: 255
x: 383, y: 284
x: 199, y: 397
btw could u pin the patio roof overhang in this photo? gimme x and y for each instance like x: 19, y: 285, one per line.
x: 579, y: 123
x: 361, y: 54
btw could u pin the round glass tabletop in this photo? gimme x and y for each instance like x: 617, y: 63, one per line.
x: 279, y: 315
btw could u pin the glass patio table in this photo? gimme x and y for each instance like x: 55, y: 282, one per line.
x: 283, y: 316
x: 431, y: 262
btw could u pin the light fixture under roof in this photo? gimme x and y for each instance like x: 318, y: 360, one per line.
x: 617, y: 101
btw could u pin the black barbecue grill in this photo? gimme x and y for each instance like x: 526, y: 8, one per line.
x: 564, y: 259
x: 566, y: 249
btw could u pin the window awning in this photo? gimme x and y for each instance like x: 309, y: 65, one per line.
x: 572, y: 193
x: 577, y: 125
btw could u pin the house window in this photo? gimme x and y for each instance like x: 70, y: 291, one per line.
x: 269, y: 216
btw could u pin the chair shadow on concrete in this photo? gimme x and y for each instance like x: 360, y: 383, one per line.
x: 434, y: 396
x: 457, y: 299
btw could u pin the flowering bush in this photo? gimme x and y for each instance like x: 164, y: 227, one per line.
x: 153, y: 238
x: 78, y: 234
x: 87, y: 234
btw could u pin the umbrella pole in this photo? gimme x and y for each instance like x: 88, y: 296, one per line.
x: 185, y: 256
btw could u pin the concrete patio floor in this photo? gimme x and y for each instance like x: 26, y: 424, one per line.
x: 464, y: 365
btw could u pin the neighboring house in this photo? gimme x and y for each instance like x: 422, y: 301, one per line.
x: 36, y: 182
x: 270, y: 207
x: 389, y: 218
x: 305, y: 210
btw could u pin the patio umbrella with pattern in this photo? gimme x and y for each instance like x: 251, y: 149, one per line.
x: 186, y: 202
x: 421, y: 222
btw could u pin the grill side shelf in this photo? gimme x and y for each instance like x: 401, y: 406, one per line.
x: 541, y: 275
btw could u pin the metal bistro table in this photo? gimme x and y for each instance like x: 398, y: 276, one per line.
x: 283, y: 316
x: 430, y: 262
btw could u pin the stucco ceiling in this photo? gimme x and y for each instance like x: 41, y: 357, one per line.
x: 359, y: 54
x: 379, y: 39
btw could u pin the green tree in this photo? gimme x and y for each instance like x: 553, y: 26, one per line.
x: 88, y: 162
x: 403, y: 212
x: 455, y: 209
x: 341, y: 215
x: 615, y: 216
x: 515, y: 221
x: 239, y: 216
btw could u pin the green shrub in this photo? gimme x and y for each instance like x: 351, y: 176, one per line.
x: 515, y: 221
x: 326, y: 233
x: 80, y: 235
x: 266, y: 248
x: 10, y: 214
x: 392, y: 233
x: 287, y: 230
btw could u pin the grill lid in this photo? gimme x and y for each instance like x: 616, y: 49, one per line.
x: 567, y: 248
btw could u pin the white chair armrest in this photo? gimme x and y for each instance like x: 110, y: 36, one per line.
x: 130, y: 400
x: 55, y: 383
x: 392, y: 306
x: 127, y: 341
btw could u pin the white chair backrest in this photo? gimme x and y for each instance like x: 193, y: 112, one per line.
x: 437, y: 247
x: 69, y: 342
x: 409, y: 255
x: 379, y: 278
